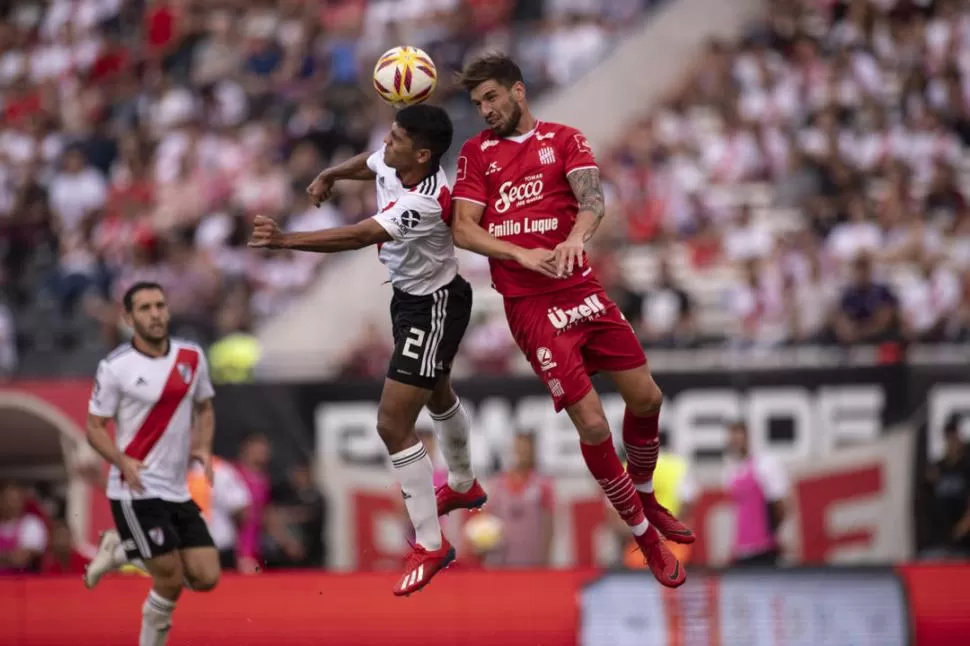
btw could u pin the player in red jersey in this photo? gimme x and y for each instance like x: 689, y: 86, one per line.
x: 528, y: 196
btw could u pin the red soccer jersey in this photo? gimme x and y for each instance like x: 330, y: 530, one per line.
x: 521, y: 182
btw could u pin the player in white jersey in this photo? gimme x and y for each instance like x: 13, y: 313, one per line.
x: 430, y: 310
x: 157, y: 391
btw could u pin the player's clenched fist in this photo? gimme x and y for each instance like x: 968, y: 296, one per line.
x: 320, y: 189
x: 266, y: 233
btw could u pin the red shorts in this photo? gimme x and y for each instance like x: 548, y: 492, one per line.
x: 570, y: 335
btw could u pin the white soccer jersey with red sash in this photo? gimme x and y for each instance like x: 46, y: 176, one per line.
x: 151, y: 400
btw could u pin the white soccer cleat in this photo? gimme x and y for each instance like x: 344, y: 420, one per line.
x: 105, y: 560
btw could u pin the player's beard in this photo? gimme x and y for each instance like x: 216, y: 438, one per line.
x: 155, y: 335
x: 514, y: 118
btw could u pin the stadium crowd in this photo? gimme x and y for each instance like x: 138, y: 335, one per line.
x: 856, y: 116
x: 139, y: 138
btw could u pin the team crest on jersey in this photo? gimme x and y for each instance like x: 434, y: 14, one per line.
x: 547, y: 155
x: 157, y: 535
x: 185, y: 371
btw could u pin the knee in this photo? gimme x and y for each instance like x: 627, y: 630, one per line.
x: 168, y: 581
x: 442, y: 399
x: 647, y: 401
x: 391, y: 430
x: 592, y: 427
x: 205, y: 581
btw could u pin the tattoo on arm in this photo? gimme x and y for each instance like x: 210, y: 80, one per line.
x: 588, y: 191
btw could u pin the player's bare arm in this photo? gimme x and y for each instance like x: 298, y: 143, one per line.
x: 355, y: 168
x: 203, y: 432
x: 267, y: 235
x: 592, y: 207
x: 470, y: 235
x: 101, y: 441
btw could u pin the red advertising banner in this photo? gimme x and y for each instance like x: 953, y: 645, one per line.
x: 480, y: 608
x: 469, y: 608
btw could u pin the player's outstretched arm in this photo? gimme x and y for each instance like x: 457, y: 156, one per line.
x: 470, y: 235
x: 355, y: 168
x: 267, y: 234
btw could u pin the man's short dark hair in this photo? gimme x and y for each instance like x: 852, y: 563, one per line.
x: 491, y: 67
x: 429, y: 127
x: 129, y: 298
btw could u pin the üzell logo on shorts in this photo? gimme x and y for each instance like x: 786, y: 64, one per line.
x: 590, y: 308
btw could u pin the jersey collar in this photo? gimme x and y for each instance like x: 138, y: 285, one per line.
x: 168, y: 349
x: 525, y: 135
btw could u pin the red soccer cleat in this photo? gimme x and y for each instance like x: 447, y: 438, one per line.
x: 449, y: 500
x: 665, y: 522
x: 661, y: 561
x: 422, y: 565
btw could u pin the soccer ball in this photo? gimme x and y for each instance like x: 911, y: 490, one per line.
x: 483, y: 532
x: 405, y: 76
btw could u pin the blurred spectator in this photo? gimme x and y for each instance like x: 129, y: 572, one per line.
x: 8, y: 343
x: 252, y: 465
x: 522, y: 499
x: 226, y: 506
x: 489, y: 345
x: 868, y: 310
x: 668, y: 312
x: 758, y: 488
x: 301, y: 510
x: 63, y: 556
x: 949, y: 502
x: 23, y: 535
x: 368, y: 357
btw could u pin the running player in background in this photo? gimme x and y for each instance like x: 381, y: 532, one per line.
x: 528, y: 196
x: 430, y: 311
x: 157, y: 391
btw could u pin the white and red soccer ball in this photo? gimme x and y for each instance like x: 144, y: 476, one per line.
x: 405, y: 76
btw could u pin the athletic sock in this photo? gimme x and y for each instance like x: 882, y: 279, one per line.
x: 415, y: 474
x: 642, y: 442
x: 605, y: 466
x: 156, y: 620
x: 452, y: 428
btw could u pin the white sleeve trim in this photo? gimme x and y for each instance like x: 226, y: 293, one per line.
x: 570, y: 172
x: 468, y: 199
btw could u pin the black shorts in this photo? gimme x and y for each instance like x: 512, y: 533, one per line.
x: 427, y: 332
x: 153, y: 527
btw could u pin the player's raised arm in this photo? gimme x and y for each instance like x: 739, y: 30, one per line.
x: 357, y: 167
x: 267, y: 234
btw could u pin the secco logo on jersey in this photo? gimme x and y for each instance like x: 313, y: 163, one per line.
x: 590, y: 308
x: 527, y: 192
x: 528, y: 225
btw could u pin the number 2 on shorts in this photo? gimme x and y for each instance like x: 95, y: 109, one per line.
x: 415, y: 339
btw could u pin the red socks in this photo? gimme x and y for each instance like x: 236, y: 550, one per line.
x: 642, y: 442
x: 605, y: 465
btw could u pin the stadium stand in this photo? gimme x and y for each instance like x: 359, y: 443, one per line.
x: 139, y: 138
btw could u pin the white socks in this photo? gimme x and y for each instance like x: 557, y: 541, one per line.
x: 452, y: 428
x: 156, y: 620
x: 415, y: 474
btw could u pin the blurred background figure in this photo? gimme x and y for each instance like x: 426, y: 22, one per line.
x: 299, y: 511
x: 63, y: 556
x: 758, y: 488
x: 948, y: 481
x: 226, y: 506
x: 23, y: 535
x: 253, y: 464
x: 522, y: 500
